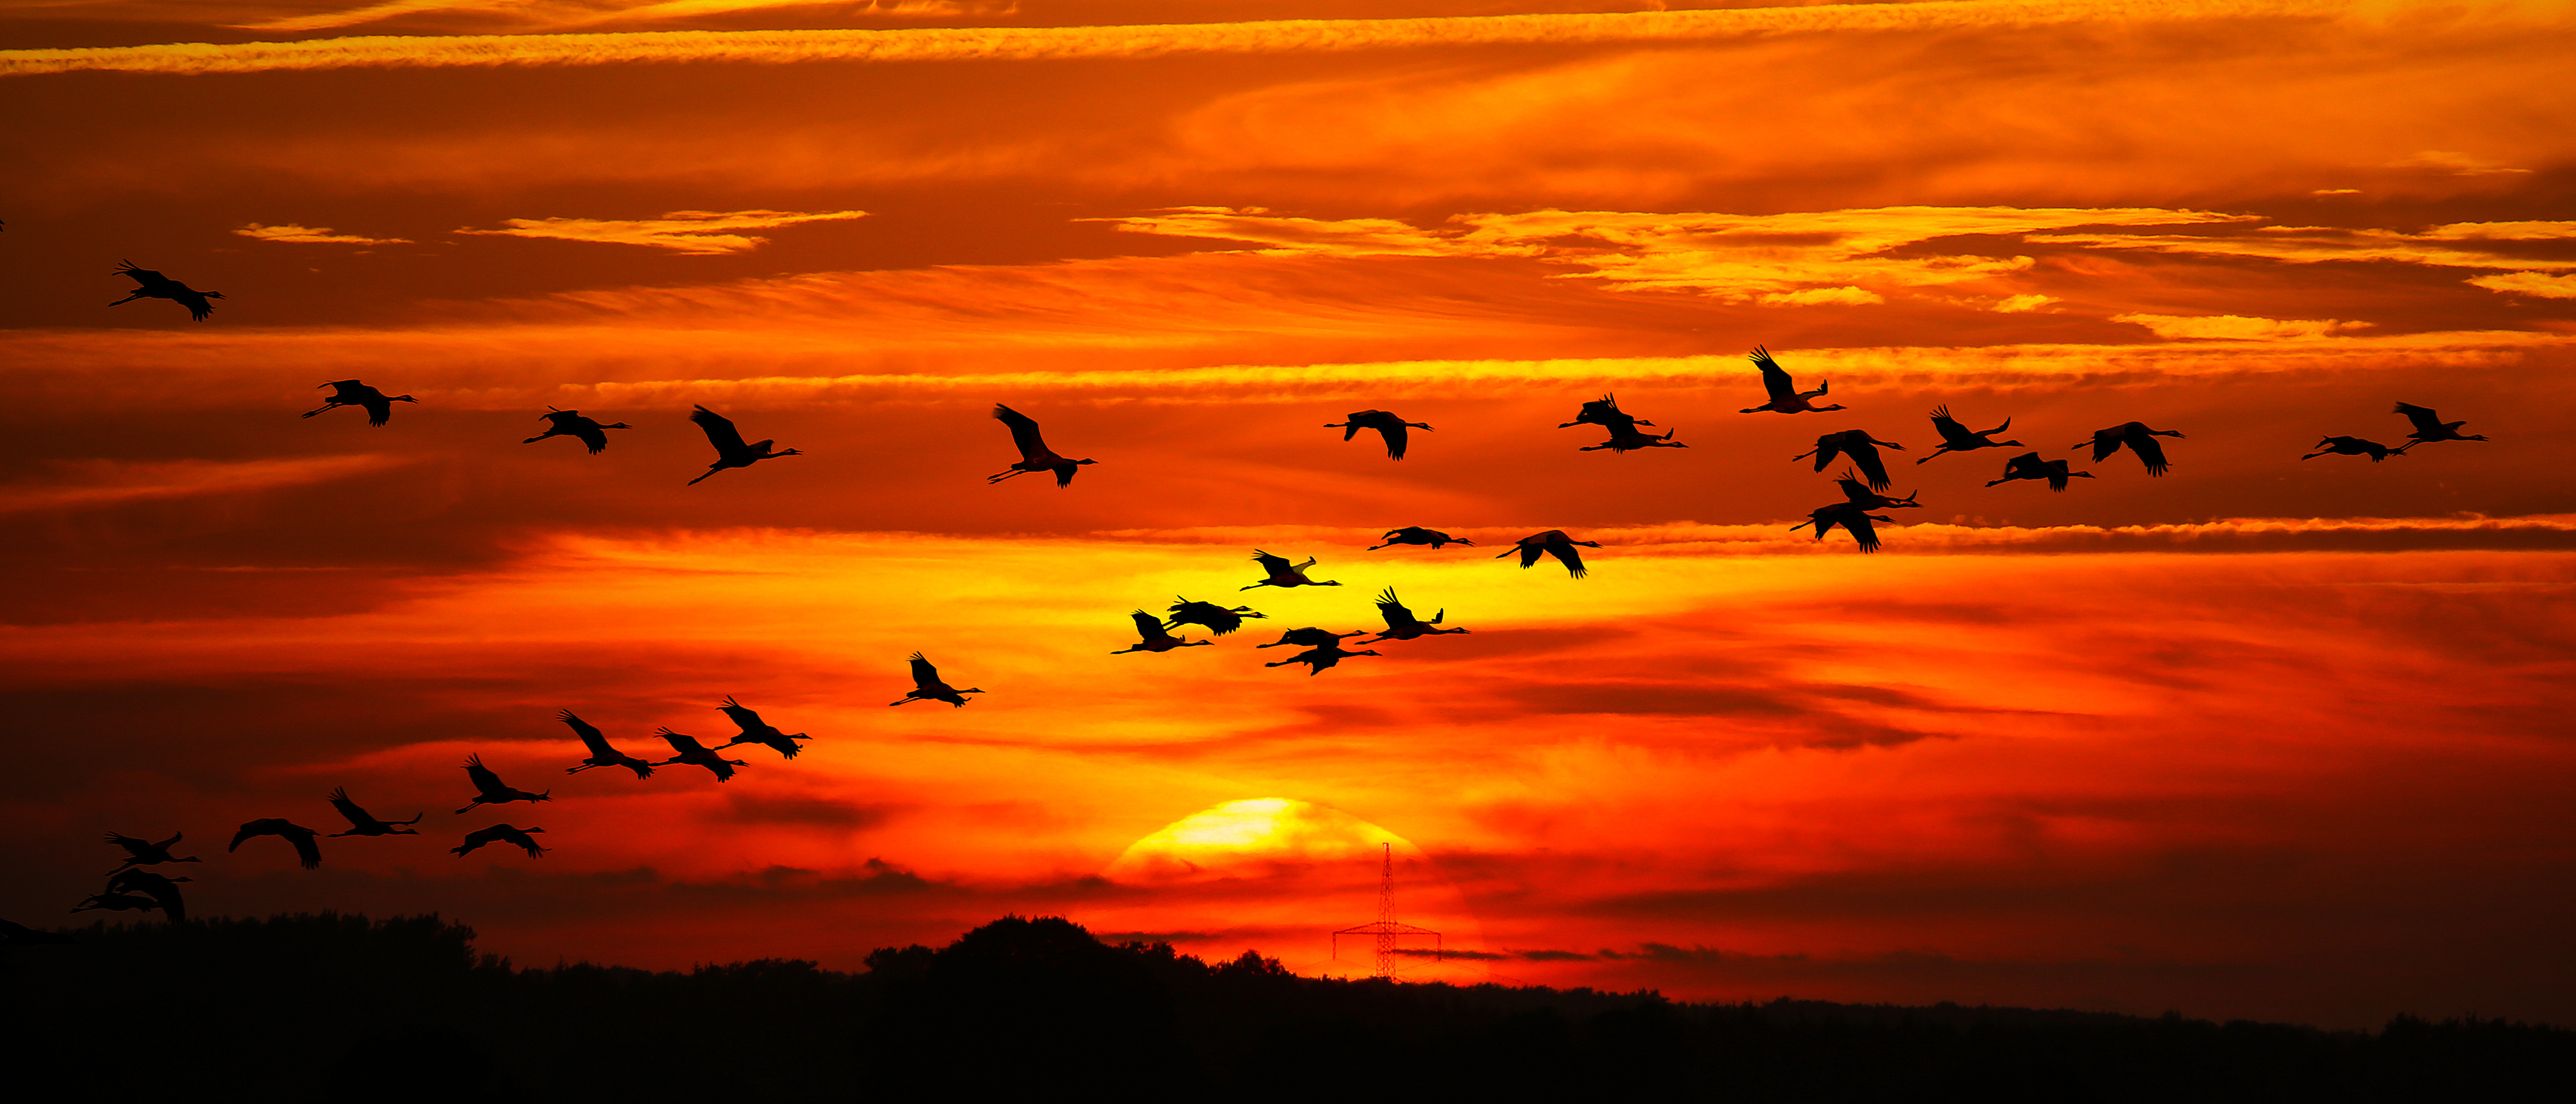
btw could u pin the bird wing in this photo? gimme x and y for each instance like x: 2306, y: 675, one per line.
x: 1774, y: 378
x: 2057, y: 474
x: 1866, y: 455
x: 1952, y: 433
x: 1565, y: 553
x: 132, y: 846
x: 1396, y: 615
x: 2149, y: 450
x: 1998, y: 429
x: 143, y: 276
x: 357, y: 816
x: 2108, y: 441
x: 720, y: 431
x: 1396, y: 436
x: 923, y: 674
x: 596, y: 740
x: 591, y: 435
x: 482, y: 776
x: 347, y: 391
x: 1863, y: 533
x: 1275, y: 565
x: 743, y: 718
x: 1024, y: 432
x: 305, y: 848
x: 1148, y: 626
x: 2426, y: 421
x: 194, y: 300
x: 261, y: 827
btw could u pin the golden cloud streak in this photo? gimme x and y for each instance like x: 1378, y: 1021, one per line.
x: 107, y: 483
x: 1027, y: 43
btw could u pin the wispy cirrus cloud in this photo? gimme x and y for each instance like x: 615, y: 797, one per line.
x: 2237, y: 327
x: 82, y: 484
x: 556, y: 14
x: 704, y: 233
x: 1001, y: 43
x: 291, y: 232
x: 1802, y: 258
x: 2529, y: 283
x: 2489, y: 245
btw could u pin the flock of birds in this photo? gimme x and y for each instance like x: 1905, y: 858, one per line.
x: 1864, y: 483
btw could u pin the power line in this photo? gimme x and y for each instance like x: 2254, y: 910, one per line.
x: 1385, y: 928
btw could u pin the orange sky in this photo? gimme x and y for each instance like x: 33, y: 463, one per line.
x: 2262, y: 737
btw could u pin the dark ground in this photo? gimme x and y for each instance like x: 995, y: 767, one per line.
x: 296, y: 1008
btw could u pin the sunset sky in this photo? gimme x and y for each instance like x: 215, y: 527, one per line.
x: 2263, y: 737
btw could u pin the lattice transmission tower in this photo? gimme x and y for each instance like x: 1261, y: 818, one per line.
x: 1386, y: 929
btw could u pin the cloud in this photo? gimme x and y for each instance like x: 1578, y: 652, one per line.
x: 693, y: 232
x: 2456, y: 164
x: 2313, y: 244
x: 552, y: 15
x: 1000, y: 43
x: 2235, y: 327
x: 291, y: 232
x: 2529, y: 283
x: 2022, y: 304
x: 1795, y: 259
x: 95, y: 483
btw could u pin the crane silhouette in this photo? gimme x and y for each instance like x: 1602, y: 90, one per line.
x: 1555, y: 543
x: 1215, y: 618
x: 2429, y: 426
x: 730, y: 451
x: 927, y: 687
x: 1400, y: 622
x: 1860, y: 447
x: 2029, y: 466
x: 117, y: 902
x: 500, y: 833
x: 490, y: 791
x: 1785, y: 396
x: 146, y: 853
x: 1284, y: 574
x: 2138, y: 438
x: 2355, y: 446
x: 291, y: 832
x: 1862, y: 495
x: 570, y: 423
x: 1320, y: 658
x: 1957, y: 438
x: 378, y: 405
x: 601, y: 754
x: 757, y: 731
x: 1628, y: 439
x: 1604, y: 412
x: 1309, y: 637
x: 1415, y: 534
x: 1035, y: 456
x: 1150, y: 628
x: 1388, y: 426
x: 157, y: 286
x: 687, y: 749
x: 1852, y: 516
x: 362, y: 823
x: 163, y: 891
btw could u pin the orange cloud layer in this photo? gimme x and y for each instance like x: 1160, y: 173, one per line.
x: 1024, y: 43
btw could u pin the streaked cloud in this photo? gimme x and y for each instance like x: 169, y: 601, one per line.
x: 2457, y: 164
x: 698, y: 232
x: 2235, y: 327
x: 2450, y: 246
x: 1844, y: 258
x: 81, y: 484
x: 2529, y: 283
x: 557, y: 14
x: 290, y: 232
x: 1000, y: 43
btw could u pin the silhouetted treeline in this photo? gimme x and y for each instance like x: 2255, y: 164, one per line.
x: 306, y: 1007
